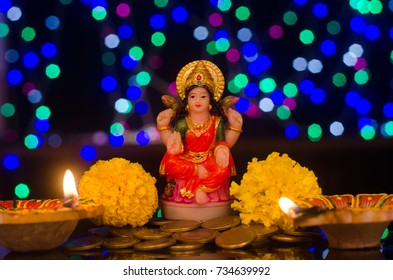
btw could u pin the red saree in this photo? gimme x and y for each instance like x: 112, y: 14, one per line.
x: 199, y: 149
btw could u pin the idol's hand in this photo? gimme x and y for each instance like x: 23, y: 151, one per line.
x: 174, y: 145
x: 164, y: 118
x: 222, y: 156
x: 235, y: 119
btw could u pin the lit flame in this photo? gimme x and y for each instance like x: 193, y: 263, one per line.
x: 289, y: 207
x: 69, y: 187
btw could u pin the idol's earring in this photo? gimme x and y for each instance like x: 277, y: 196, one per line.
x: 187, y: 107
x: 210, y: 107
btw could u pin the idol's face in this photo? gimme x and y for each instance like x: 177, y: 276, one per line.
x: 198, y: 100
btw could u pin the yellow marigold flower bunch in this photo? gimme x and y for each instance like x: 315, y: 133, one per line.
x: 125, y: 189
x: 256, y: 198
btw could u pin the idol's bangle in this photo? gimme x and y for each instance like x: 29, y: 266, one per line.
x: 235, y: 129
x: 164, y: 128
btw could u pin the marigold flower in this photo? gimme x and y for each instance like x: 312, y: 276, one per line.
x: 125, y: 189
x: 256, y: 198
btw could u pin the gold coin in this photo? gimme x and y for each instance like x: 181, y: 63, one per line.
x: 180, y: 226
x: 83, y: 243
x: 155, y: 244
x: 123, y: 231
x: 237, y: 254
x: 261, y: 230
x: 313, y: 233
x: 222, y: 223
x: 120, y: 242
x: 186, y: 247
x: 200, y: 235
x: 291, y: 238
x: 159, y: 221
x: 260, y: 242
x: 151, y: 233
x: 235, y: 238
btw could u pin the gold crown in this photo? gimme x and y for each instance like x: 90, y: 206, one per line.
x: 200, y: 73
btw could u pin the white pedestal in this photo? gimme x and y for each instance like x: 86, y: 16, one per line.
x: 194, y: 211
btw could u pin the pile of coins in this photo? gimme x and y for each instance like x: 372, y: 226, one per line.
x: 186, y: 237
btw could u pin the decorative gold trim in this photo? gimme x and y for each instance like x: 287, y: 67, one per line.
x: 235, y: 129
x: 200, y: 73
x: 164, y: 128
x: 198, y: 128
x: 186, y: 193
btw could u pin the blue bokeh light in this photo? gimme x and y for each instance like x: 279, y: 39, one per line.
x: 142, y: 138
x: 125, y: 31
x: 11, y: 162
x: 134, y: 93
x: 88, y: 153
x: 179, y: 14
x: 116, y: 140
x: 49, y: 50
x: 141, y: 108
x: 42, y: 125
x: 109, y: 83
x: 277, y: 97
x: 30, y: 60
x: 306, y: 86
x: 157, y: 21
x: 14, y: 77
x: 292, y: 131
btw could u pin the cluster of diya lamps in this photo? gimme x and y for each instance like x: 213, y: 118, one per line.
x: 348, y: 222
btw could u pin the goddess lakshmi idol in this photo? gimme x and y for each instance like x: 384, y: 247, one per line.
x: 198, y: 130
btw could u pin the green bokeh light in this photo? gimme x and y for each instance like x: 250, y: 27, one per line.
x: 136, y: 53
x: 241, y: 80
x: 43, y: 113
x: 158, y: 39
x: 314, y: 132
x: 222, y: 44
x: 361, y: 77
x: 4, y: 30
x: 7, y: 110
x: 375, y: 7
x: 306, y: 36
x: 52, y: 71
x: 22, y: 191
x: 389, y: 128
x: 367, y: 132
x: 334, y: 27
x: 290, y: 90
x: 109, y: 58
x: 242, y: 13
x: 339, y: 79
x: 267, y: 85
x: 224, y: 5
x: 31, y: 141
x: 283, y: 113
x: 161, y: 3
x: 99, y: 13
x: 143, y: 78
x: 290, y: 18
x: 28, y: 34
x: 117, y: 129
x: 211, y: 48
x: 233, y: 88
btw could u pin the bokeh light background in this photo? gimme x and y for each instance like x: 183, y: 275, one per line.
x: 90, y: 73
